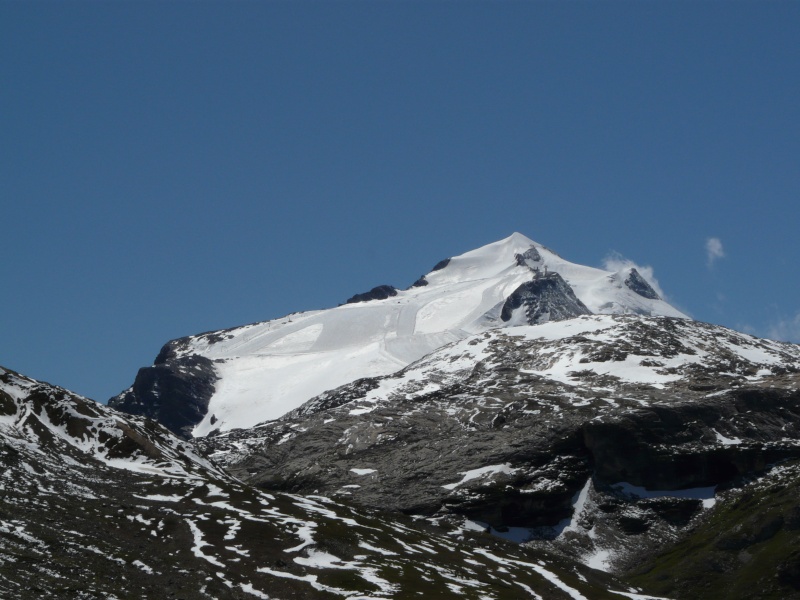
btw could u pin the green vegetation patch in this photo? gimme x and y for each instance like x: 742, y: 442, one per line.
x: 748, y: 547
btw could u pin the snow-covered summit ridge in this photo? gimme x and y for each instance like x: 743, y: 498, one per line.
x: 266, y: 369
x: 488, y: 261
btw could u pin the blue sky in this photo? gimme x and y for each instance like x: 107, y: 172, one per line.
x: 169, y: 168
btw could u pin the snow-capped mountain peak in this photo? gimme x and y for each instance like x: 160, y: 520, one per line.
x: 492, y: 260
x: 246, y: 375
x: 602, y: 291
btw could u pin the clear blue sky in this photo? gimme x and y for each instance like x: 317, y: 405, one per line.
x: 169, y: 168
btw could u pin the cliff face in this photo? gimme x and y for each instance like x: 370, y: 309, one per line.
x: 546, y: 298
x: 175, y: 391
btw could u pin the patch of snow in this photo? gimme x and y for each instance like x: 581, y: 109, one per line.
x: 706, y: 494
x: 249, y: 589
x: 199, y: 543
x: 363, y: 471
x: 578, y: 503
x: 599, y: 559
x: 366, y: 546
x: 160, y: 497
x: 549, y: 576
x: 310, y: 579
x: 528, y: 589
x: 480, y: 473
x: 142, y: 566
x: 633, y: 596
x: 306, y: 533
x: 726, y: 441
x: 321, y: 560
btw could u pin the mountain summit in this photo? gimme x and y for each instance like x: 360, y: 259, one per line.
x: 243, y: 376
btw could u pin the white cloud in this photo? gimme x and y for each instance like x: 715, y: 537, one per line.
x: 616, y: 262
x: 714, y: 250
x: 786, y: 330
x: 747, y: 328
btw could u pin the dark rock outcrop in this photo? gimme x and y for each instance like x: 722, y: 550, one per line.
x: 441, y: 264
x: 673, y: 447
x: 423, y: 281
x: 746, y: 548
x: 545, y: 298
x: 531, y: 255
x: 639, y: 284
x: 381, y: 292
x: 174, y: 391
x: 417, y: 457
x: 98, y: 504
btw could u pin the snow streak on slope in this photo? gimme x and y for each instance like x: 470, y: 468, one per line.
x: 268, y: 369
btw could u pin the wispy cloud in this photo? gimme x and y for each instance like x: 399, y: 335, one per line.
x: 785, y: 330
x: 616, y: 262
x: 714, y: 251
x: 747, y: 328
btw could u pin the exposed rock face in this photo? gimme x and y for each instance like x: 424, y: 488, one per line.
x: 53, y: 422
x: 546, y: 298
x: 677, y: 447
x: 97, y: 503
x: 541, y: 449
x: 174, y: 391
x: 441, y: 265
x: 638, y: 284
x: 381, y: 292
x: 530, y: 258
x: 423, y: 281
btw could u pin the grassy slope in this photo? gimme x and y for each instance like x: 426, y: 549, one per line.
x: 748, y: 547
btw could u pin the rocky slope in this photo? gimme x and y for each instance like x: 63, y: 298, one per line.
x: 239, y: 377
x: 96, y: 504
x: 605, y: 437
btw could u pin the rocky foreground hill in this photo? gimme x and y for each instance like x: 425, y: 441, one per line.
x: 97, y: 504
